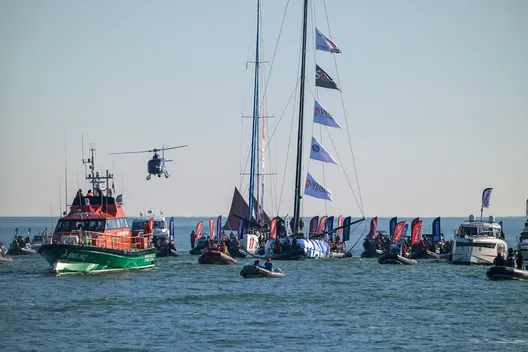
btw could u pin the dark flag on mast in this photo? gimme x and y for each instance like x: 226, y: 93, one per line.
x: 322, y: 79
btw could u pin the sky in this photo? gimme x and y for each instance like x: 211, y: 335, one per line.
x: 435, y: 95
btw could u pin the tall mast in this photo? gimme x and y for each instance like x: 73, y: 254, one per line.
x: 255, y: 120
x: 298, y: 170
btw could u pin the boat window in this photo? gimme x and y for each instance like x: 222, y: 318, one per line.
x: 524, y: 236
x: 467, y: 231
x: 159, y: 224
x: 111, y: 224
x: 137, y: 225
x: 97, y: 225
x: 122, y: 223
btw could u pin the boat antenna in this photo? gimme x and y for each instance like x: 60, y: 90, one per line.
x: 298, y: 169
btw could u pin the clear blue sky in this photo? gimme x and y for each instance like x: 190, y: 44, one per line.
x: 436, y: 94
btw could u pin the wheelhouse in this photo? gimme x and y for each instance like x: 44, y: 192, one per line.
x: 475, y: 228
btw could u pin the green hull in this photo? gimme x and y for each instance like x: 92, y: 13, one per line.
x: 65, y: 258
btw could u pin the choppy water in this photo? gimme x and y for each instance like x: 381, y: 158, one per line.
x: 321, y: 305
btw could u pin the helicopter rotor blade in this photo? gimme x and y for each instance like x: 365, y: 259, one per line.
x: 179, y: 146
x: 142, y: 151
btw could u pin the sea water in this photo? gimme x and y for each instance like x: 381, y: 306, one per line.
x: 352, y: 304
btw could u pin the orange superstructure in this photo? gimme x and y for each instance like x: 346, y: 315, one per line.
x: 98, y: 221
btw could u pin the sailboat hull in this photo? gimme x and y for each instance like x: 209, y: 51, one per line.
x: 311, y: 248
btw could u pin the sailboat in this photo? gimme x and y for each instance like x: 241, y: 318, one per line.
x: 248, y: 219
x: 312, y: 248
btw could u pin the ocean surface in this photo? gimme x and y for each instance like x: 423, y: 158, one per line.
x: 351, y: 304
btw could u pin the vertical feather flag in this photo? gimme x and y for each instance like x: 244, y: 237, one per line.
x: 322, y: 224
x: 330, y: 227
x: 373, y: 227
x: 273, y: 229
x: 219, y: 230
x: 486, y: 194
x: 416, y: 231
x: 339, y: 224
x: 392, y: 225
x: 199, y: 226
x: 436, y: 230
x: 211, y: 228
x: 313, y: 225
x: 346, y: 228
x: 171, y: 229
x: 240, y: 229
x: 398, y: 232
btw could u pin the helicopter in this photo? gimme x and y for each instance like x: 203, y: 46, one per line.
x: 156, y: 165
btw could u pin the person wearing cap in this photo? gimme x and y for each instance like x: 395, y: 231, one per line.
x: 269, y: 265
x: 499, y: 260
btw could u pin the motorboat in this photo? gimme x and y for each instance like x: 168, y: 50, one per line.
x: 478, y: 242
x: 257, y: 271
x: 506, y: 273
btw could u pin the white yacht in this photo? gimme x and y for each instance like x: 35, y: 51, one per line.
x: 160, y: 225
x: 478, y: 242
x: 522, y: 245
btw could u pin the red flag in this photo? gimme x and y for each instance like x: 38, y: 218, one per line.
x: 414, y: 222
x: 398, y: 232
x: 313, y: 224
x: 416, y: 231
x: 211, y: 228
x: 339, y: 224
x: 199, y: 229
x: 373, y: 227
x: 273, y: 229
x: 322, y: 224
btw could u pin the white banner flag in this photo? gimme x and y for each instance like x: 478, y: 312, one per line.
x: 322, y: 117
x: 318, y: 152
x: 324, y: 43
x: 314, y: 189
x: 288, y: 227
x: 486, y: 197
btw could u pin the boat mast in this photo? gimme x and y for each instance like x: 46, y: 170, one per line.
x: 298, y: 170
x: 255, y: 121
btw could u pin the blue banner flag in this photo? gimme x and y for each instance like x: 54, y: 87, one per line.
x: 171, y: 229
x: 436, y: 230
x: 392, y: 225
x: 346, y: 228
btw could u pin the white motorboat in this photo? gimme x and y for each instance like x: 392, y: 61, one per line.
x: 160, y: 228
x: 478, y: 242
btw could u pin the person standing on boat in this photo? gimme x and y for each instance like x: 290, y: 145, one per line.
x: 193, y: 239
x: 519, y: 258
x: 277, y: 248
x: 499, y: 260
x: 269, y: 264
x: 79, y: 194
x: 510, y: 259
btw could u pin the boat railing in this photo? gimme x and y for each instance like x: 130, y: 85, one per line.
x: 105, y: 240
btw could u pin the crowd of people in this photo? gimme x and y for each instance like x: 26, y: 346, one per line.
x: 382, y: 242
